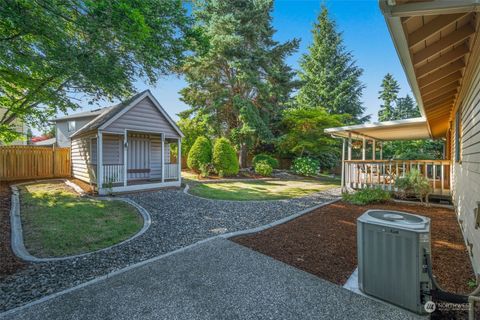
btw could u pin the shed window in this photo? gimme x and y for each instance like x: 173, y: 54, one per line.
x: 458, y: 135
x: 71, y: 125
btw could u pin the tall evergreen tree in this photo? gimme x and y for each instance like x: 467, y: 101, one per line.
x: 388, y: 94
x: 330, y: 77
x: 406, y: 108
x: 237, y: 78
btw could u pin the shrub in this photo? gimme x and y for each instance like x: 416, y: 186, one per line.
x: 206, y: 169
x: 200, y: 154
x: 367, y: 196
x: 263, y: 168
x: 413, y: 184
x: 306, y: 166
x: 327, y: 161
x: 267, y: 158
x: 225, y: 158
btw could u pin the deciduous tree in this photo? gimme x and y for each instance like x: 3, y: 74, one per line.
x: 54, y: 52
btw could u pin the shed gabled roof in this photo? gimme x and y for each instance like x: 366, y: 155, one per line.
x: 110, y: 114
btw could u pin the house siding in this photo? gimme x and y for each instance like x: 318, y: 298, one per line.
x: 81, y: 157
x: 466, y: 172
x: 62, y: 133
x: 143, y: 117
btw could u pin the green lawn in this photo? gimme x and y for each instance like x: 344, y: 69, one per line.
x: 262, y: 190
x: 57, y: 222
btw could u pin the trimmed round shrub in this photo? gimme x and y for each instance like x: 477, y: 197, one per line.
x: 263, y: 168
x: 200, y: 154
x: 267, y: 158
x: 225, y: 158
x: 306, y: 166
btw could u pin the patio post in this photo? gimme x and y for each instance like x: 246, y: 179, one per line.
x: 349, y: 146
x: 374, y: 149
x: 363, y: 148
x: 99, y: 160
x: 179, y: 159
x: 125, y: 158
x: 342, y: 180
x: 163, y: 157
x: 381, y: 150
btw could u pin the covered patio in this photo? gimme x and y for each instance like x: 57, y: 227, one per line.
x: 371, y: 170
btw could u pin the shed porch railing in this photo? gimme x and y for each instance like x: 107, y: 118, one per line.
x: 113, y: 173
x: 383, y: 173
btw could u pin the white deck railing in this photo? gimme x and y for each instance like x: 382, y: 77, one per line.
x: 171, y: 171
x: 383, y: 173
x: 113, y: 173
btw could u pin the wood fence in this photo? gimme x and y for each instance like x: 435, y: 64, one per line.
x: 33, y: 162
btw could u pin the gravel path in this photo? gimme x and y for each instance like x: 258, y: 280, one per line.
x: 178, y: 219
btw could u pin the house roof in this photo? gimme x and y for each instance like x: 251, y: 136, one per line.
x: 106, y: 115
x: 438, y: 45
x: 408, y: 129
x: 84, y: 114
x: 46, y: 142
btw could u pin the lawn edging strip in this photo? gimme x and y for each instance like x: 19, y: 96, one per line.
x: 18, y: 246
x: 142, y: 263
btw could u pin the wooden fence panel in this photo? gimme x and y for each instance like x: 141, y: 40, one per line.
x: 32, y: 162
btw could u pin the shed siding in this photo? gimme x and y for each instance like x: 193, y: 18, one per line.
x: 143, y: 117
x: 466, y: 173
x: 112, y: 149
x: 81, y: 157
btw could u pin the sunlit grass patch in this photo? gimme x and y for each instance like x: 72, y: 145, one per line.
x: 56, y: 221
x: 261, y: 190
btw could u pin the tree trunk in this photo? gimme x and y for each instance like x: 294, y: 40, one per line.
x: 242, y: 155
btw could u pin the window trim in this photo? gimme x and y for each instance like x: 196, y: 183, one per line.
x: 74, y: 125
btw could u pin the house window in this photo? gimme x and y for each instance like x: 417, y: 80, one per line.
x: 458, y: 135
x: 71, y: 125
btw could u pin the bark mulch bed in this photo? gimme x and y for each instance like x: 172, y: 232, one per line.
x: 8, y: 262
x: 313, y: 243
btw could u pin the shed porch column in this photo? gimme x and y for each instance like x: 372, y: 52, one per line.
x: 179, y: 159
x: 163, y: 157
x: 99, y: 160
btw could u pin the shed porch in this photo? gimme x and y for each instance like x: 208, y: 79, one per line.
x: 134, y: 161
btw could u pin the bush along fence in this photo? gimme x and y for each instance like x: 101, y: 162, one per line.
x: 32, y: 162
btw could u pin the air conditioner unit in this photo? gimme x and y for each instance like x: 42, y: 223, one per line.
x: 391, y: 257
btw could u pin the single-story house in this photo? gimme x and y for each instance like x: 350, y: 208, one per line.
x: 127, y: 147
x: 66, y: 126
x: 438, y: 43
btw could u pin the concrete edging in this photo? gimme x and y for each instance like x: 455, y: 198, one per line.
x: 142, y: 263
x: 17, y: 244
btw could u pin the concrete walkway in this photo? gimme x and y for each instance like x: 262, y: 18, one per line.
x: 216, y: 279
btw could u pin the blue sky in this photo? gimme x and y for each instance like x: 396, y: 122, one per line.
x: 365, y: 35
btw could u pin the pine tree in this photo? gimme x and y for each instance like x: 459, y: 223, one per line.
x: 237, y: 77
x: 388, y: 94
x: 330, y: 78
x: 406, y: 108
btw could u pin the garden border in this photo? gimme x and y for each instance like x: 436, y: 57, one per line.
x: 17, y: 244
x: 193, y: 245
